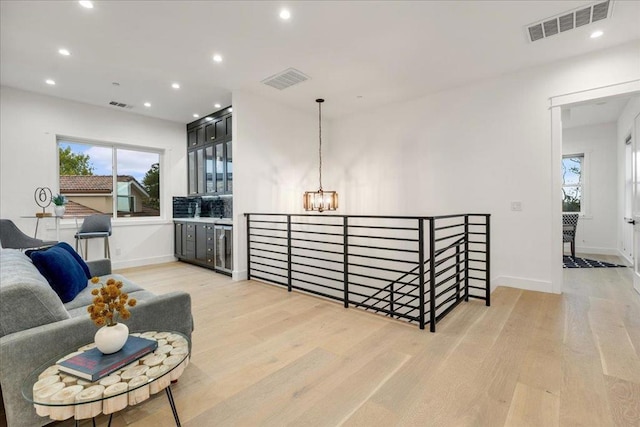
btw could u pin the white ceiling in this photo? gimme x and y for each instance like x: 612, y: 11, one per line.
x: 359, y: 54
x: 605, y: 110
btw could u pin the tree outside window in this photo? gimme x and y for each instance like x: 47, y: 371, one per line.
x: 572, y: 183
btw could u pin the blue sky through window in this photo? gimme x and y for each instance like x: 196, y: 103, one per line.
x: 571, y: 168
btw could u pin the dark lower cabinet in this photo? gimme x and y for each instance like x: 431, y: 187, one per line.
x: 205, y: 244
x: 201, y: 243
x: 190, y: 241
x: 178, y: 244
x: 184, y: 240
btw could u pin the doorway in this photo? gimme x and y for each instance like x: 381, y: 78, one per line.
x: 566, y: 102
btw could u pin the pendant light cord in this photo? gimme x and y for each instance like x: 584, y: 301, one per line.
x: 320, y: 145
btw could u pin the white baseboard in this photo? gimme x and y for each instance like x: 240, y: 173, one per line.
x: 522, y: 283
x: 624, y: 257
x: 596, y: 251
x: 139, y: 262
x: 238, y: 275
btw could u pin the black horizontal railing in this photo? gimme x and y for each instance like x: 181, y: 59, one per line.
x: 416, y: 269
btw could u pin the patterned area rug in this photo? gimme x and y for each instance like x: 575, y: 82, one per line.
x: 577, y: 262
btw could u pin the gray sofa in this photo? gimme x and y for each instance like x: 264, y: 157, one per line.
x: 35, y: 326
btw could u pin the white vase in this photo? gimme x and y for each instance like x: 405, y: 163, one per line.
x: 59, y: 210
x: 110, y: 339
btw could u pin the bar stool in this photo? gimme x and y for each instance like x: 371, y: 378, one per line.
x: 94, y: 226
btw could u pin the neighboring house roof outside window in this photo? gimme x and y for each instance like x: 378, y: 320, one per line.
x: 74, y: 209
x: 95, y: 184
x: 78, y: 210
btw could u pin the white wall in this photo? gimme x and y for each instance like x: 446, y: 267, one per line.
x: 275, y: 151
x: 470, y: 149
x: 597, y: 230
x: 30, y: 123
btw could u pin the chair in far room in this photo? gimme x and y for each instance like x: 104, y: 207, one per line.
x: 94, y: 226
x: 12, y: 238
x: 569, y: 225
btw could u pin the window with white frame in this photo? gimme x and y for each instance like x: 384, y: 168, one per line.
x: 89, y: 172
x: 573, y: 183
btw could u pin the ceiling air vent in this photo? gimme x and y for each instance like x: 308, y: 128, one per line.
x: 120, y: 104
x: 569, y: 20
x: 285, y: 79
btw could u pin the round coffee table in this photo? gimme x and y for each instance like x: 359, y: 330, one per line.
x: 61, y: 396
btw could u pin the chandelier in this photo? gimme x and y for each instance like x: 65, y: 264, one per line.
x: 320, y: 200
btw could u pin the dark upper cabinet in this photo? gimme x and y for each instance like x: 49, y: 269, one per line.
x: 209, y: 159
x: 195, y: 136
x: 210, y: 132
x: 228, y: 127
x: 191, y: 138
x: 200, y: 135
x: 221, y: 129
x: 214, y: 128
x: 218, y: 130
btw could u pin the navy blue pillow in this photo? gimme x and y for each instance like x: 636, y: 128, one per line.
x: 68, y: 248
x: 77, y: 257
x: 62, y: 271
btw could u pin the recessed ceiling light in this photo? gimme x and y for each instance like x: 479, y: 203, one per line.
x: 596, y: 34
x: 196, y: 115
x: 86, y: 3
x: 64, y: 52
x: 208, y: 119
x: 175, y: 85
x: 230, y: 109
x: 217, y: 58
x: 50, y: 82
x: 216, y: 105
x: 285, y: 14
x: 147, y: 104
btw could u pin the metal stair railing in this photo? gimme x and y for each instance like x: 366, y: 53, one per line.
x: 330, y: 256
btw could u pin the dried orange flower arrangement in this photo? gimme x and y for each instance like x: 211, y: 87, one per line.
x: 109, y: 302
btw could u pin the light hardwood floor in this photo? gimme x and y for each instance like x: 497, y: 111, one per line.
x: 262, y: 356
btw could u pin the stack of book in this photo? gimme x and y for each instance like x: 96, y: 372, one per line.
x: 92, y: 365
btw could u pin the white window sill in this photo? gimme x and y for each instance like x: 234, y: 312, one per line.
x: 117, y: 223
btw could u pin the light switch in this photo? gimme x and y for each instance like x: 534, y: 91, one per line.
x: 516, y: 206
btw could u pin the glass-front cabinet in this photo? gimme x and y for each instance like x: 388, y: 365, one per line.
x: 200, y: 170
x: 219, y: 168
x: 209, y: 170
x: 191, y: 161
x: 210, y: 156
x: 229, y: 170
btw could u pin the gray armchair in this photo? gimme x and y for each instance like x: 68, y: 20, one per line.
x: 12, y: 238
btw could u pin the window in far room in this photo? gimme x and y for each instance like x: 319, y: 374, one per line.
x: 88, y: 173
x: 573, y: 183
